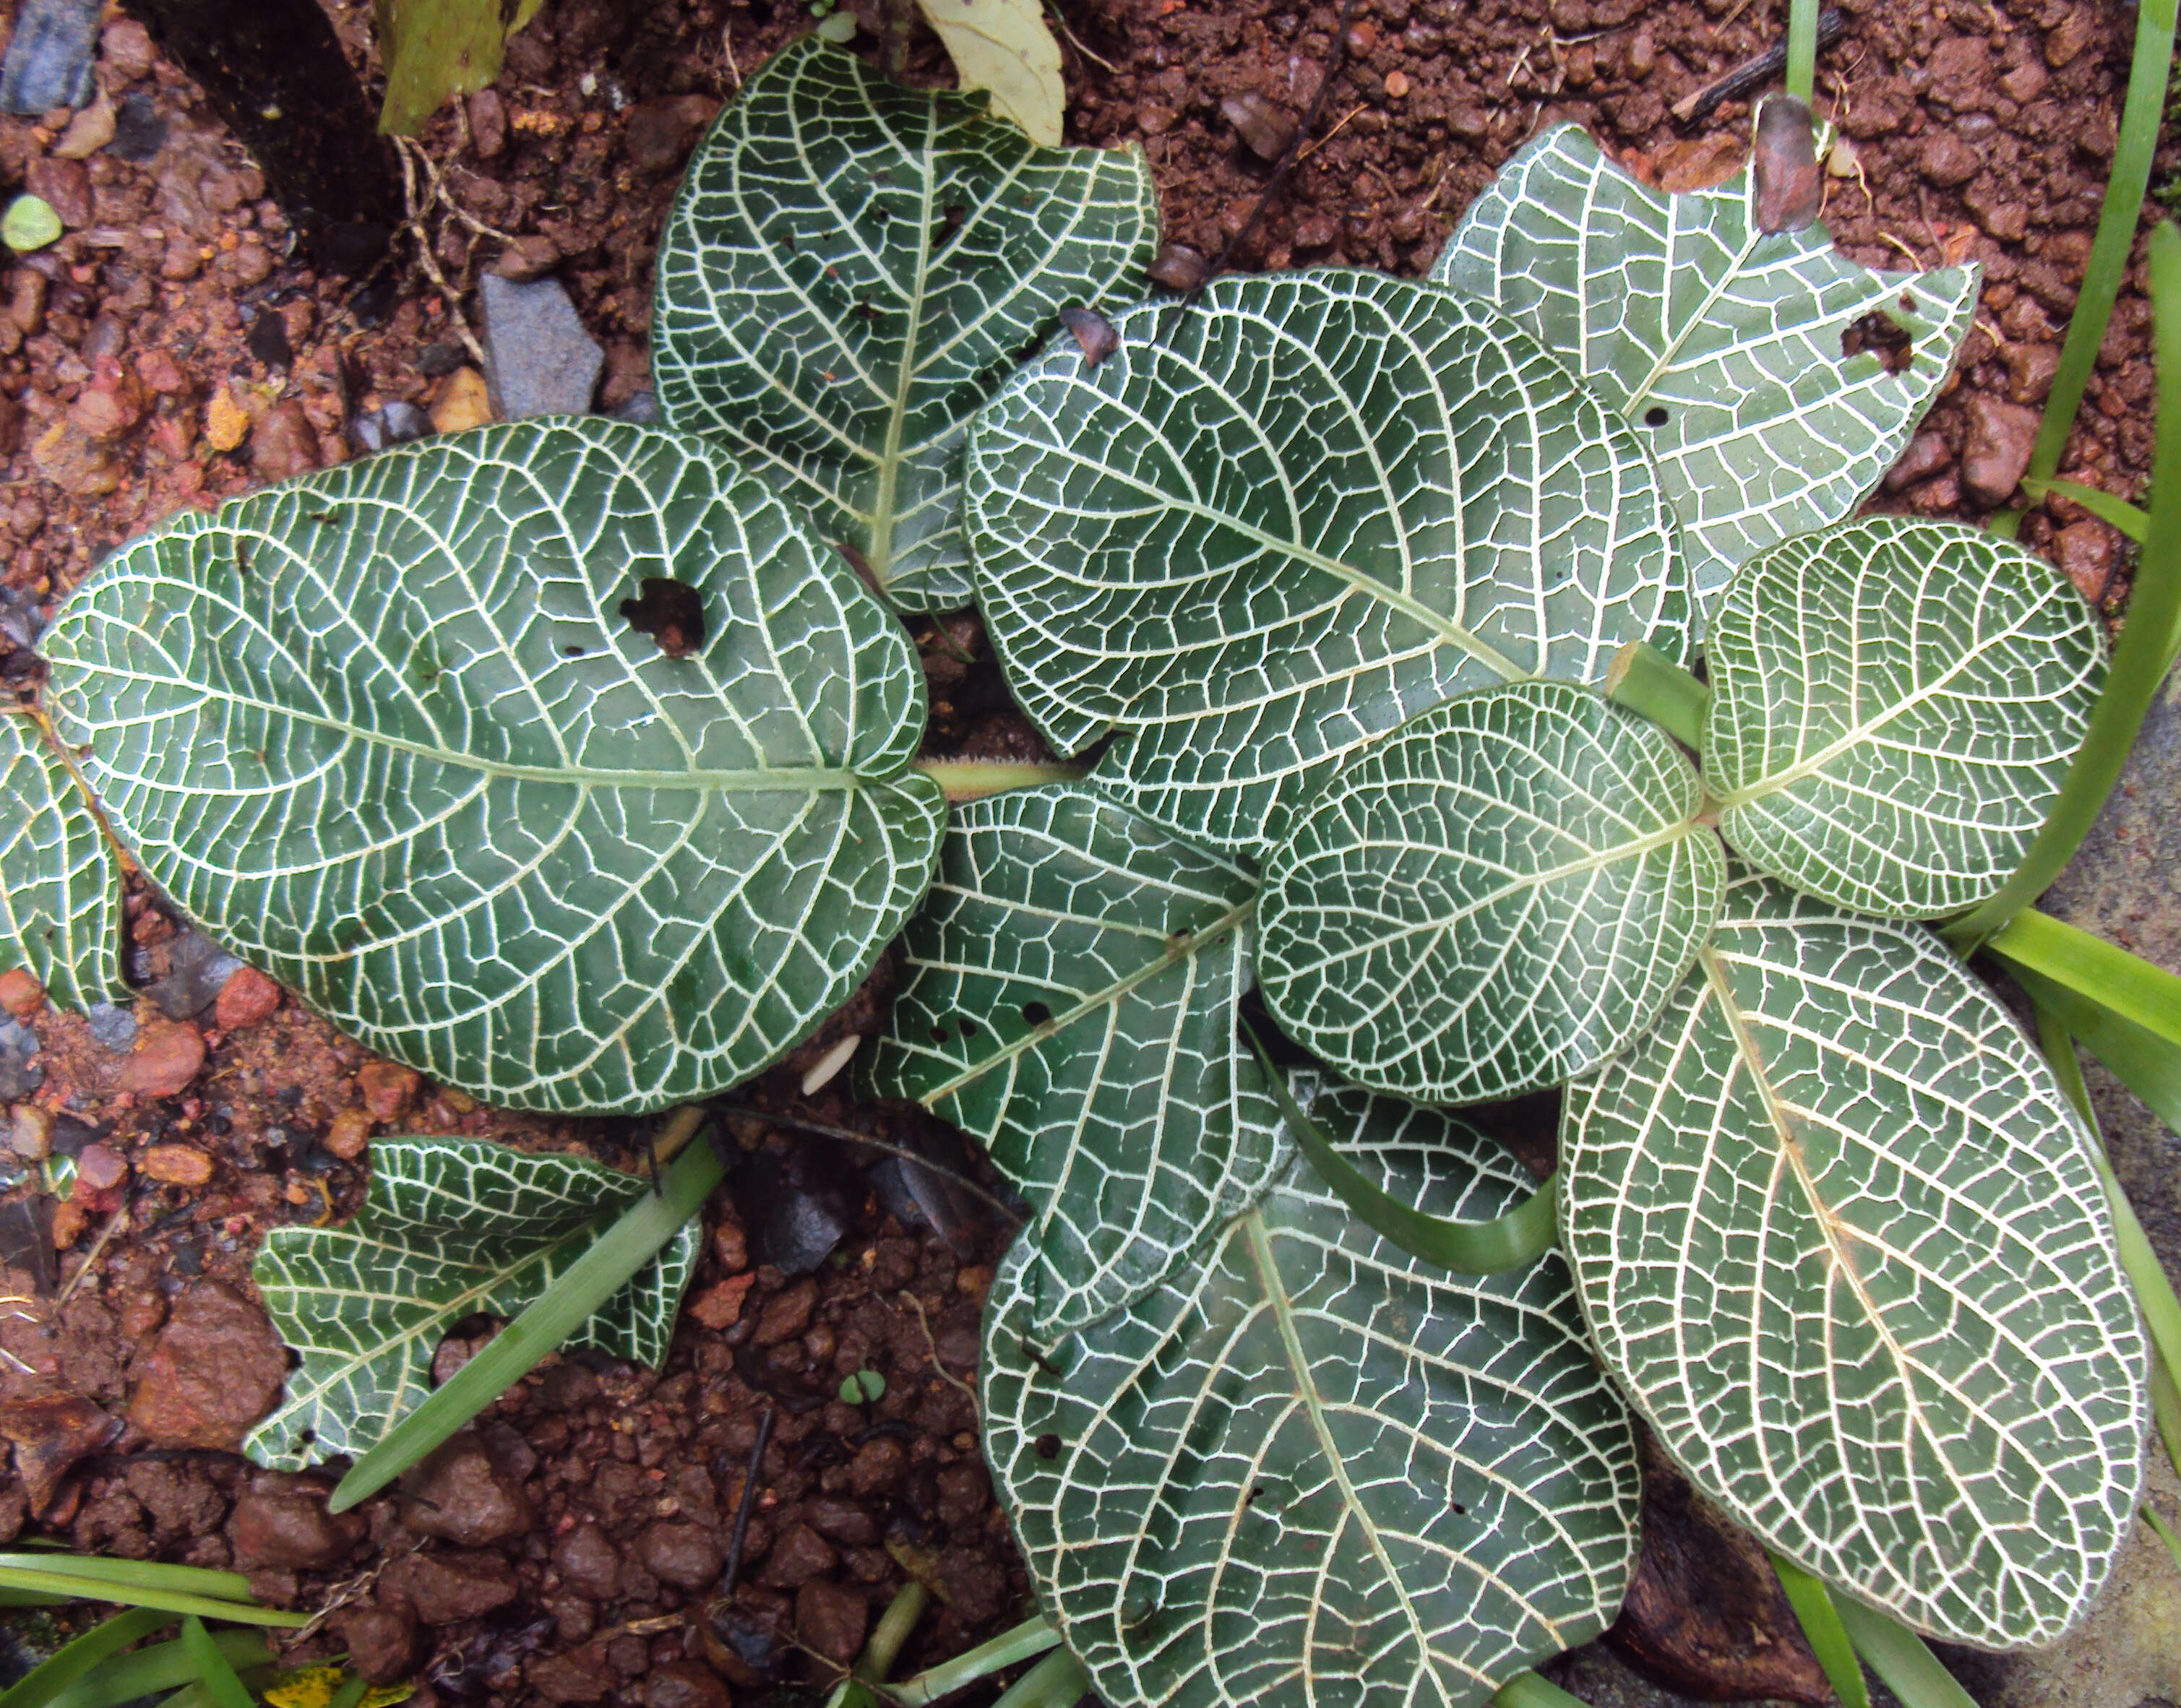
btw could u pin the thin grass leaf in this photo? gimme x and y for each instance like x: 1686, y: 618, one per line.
x: 2141, y: 114
x: 2164, y: 1532
x: 2146, y: 1063
x: 133, y: 1574
x: 30, y: 1598
x: 1027, y: 1641
x: 354, y: 1689
x: 163, y: 1667
x: 76, y: 1587
x: 1058, y: 1681
x: 2129, y: 519
x: 620, y: 1251
x: 1528, y: 1690
x: 2126, y: 986
x: 1828, y: 1638
x: 2145, y: 651
x: 44, y: 1682
x: 1802, y: 50
x: 1522, y: 1236
x: 215, y: 1671
x: 1903, y: 1661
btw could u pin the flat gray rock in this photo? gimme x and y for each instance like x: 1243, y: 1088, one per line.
x: 537, y: 358
x: 48, y: 62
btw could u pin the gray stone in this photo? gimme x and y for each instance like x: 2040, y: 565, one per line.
x: 643, y: 409
x: 537, y: 358
x: 48, y: 62
x: 390, y: 424
x: 19, y: 1076
x: 111, y: 1027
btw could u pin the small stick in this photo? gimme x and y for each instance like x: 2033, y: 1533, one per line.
x: 1756, y: 73
x: 924, y: 1322
x: 98, y: 1246
x: 749, y: 1501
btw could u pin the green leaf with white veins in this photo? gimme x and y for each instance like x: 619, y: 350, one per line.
x: 1894, y: 707
x: 1282, y: 521
x: 1721, y: 344
x: 1311, y: 1468
x: 386, y: 730
x: 449, y: 1228
x: 851, y: 268
x: 1496, y: 896
x: 1839, y: 1236
x: 1069, y: 997
x: 60, y: 883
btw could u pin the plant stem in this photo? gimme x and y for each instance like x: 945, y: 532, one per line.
x: 894, y: 1626
x: 2141, y: 114
x: 1058, y: 1681
x: 1802, y: 50
x: 1026, y: 1641
x: 1652, y: 686
x: 2145, y: 652
x: 965, y: 780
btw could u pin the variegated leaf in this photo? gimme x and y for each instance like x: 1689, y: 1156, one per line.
x: 1281, y: 521
x: 1839, y: 1236
x: 60, y: 882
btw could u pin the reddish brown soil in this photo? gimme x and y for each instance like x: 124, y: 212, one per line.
x: 1983, y: 130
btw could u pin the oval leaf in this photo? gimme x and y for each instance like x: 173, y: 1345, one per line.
x: 1277, y: 523
x: 449, y: 1228
x: 1894, y: 704
x: 850, y: 270
x: 1311, y: 1468
x: 384, y: 731
x: 1721, y: 343
x: 1069, y: 996
x: 60, y: 885
x: 1501, y: 893
x: 1839, y: 1236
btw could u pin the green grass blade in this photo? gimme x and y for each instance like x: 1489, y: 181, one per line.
x: 30, y: 1598
x: 163, y: 1667
x: 1027, y: 1641
x: 2164, y: 1532
x: 354, y: 1689
x: 2145, y: 652
x: 1802, y: 50
x: 1522, y: 1236
x: 2141, y: 114
x: 44, y: 1682
x: 215, y: 1673
x: 1828, y: 1639
x: 132, y: 1574
x: 1528, y: 1690
x: 2146, y: 1063
x: 2133, y: 522
x: 1058, y: 1681
x: 1903, y: 1661
x: 619, y: 1251
x: 73, y: 1587
x: 2126, y: 986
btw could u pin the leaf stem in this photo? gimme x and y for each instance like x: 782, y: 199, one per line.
x: 2145, y: 652
x: 966, y: 780
x: 893, y: 1630
x: 1026, y: 1641
x: 1802, y: 50
x: 1651, y: 685
x: 1058, y: 1681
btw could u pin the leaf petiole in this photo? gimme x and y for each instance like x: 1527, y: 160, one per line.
x: 1647, y: 682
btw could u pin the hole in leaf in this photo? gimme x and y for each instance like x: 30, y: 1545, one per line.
x: 572, y: 651
x: 969, y: 1025
x: 1461, y: 1511
x: 787, y: 241
x: 1251, y: 1499
x: 950, y: 222
x: 1048, y: 1446
x: 671, y: 612
x: 1656, y: 416
x: 1036, y: 1013
x: 1880, y: 337
x: 939, y: 1034
x: 880, y: 215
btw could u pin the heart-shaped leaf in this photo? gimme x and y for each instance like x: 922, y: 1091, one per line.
x: 1280, y: 522
x: 850, y: 269
x: 1839, y: 1236
x: 1069, y: 996
x: 1499, y: 894
x: 1311, y: 1468
x: 449, y: 1228
x: 383, y: 731
x: 60, y: 885
x: 1721, y: 343
x: 1894, y: 704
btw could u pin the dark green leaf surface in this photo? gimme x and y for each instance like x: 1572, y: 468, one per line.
x: 1308, y: 1468
x: 383, y: 730
x: 60, y: 885
x: 1278, y: 524
x: 851, y: 268
x: 1720, y: 343
x: 1840, y: 1237
x: 1894, y: 704
x: 452, y: 1228
x: 1497, y: 896
x: 1069, y: 996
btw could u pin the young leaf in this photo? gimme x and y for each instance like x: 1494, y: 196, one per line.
x: 215, y: 1671
x: 850, y: 270
x: 1309, y: 1468
x: 1004, y: 46
x: 434, y: 49
x: 1894, y: 704
x: 383, y: 731
x: 60, y: 885
x: 1840, y: 1238
x: 1069, y: 997
x: 1722, y: 346
x: 45, y: 1681
x: 450, y: 1228
x: 1498, y: 896
x: 122, y: 1679
x: 1280, y: 522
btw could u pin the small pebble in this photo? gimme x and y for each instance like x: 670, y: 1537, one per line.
x: 111, y: 1027
x: 169, y: 1054
x: 465, y: 402
x: 30, y: 1135
x: 248, y: 999
x: 349, y: 1134
x: 1397, y: 85
x: 99, y: 1166
x: 88, y: 132
x: 388, y: 1088
x: 226, y: 423
x: 1266, y: 128
x: 176, y: 1165
x: 20, y: 994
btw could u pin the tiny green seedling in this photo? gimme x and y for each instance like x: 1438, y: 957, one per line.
x: 865, y: 1387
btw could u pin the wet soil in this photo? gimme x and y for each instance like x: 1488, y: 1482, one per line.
x: 175, y: 348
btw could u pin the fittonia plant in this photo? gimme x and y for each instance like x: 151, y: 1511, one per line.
x: 1336, y: 568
